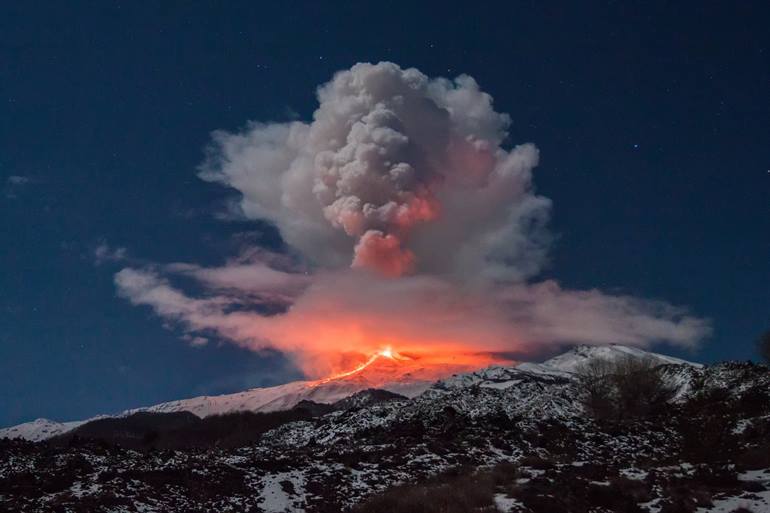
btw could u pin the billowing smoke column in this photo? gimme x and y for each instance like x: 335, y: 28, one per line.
x: 396, y: 173
x: 422, y: 231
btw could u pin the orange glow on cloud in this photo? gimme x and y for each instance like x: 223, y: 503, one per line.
x: 384, y: 364
x: 345, y: 318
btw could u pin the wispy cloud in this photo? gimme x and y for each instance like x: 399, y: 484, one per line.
x: 18, y: 180
x: 104, y: 253
x: 15, y: 184
x: 334, y: 313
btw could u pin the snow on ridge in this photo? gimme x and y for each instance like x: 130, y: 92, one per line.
x: 254, y: 399
x: 563, y: 366
x: 283, y: 397
x: 286, y: 396
x: 574, y: 358
x: 268, y: 399
x: 40, y: 429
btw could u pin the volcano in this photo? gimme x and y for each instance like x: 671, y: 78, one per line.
x: 408, y: 376
x: 527, y: 427
x: 404, y: 376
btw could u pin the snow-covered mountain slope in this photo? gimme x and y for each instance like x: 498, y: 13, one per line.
x: 40, y: 429
x: 574, y: 358
x: 563, y: 366
x: 281, y: 397
x: 403, y: 377
x: 510, y: 414
x: 707, y: 449
x: 395, y: 376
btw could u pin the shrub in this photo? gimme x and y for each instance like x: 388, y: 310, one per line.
x: 754, y: 458
x: 180, y: 430
x: 625, y: 389
x: 637, y: 491
x: 450, y: 493
x: 504, y: 473
x: 536, y: 462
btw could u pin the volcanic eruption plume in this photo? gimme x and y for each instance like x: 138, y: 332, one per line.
x: 410, y: 226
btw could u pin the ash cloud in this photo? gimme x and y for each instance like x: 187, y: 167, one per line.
x: 419, y: 226
x: 396, y: 172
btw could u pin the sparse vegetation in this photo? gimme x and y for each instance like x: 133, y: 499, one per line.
x: 698, y: 453
x: 622, y: 390
x: 183, y: 430
x: 458, y: 491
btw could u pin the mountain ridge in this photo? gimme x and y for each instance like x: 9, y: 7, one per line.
x: 386, y: 374
x: 706, y: 449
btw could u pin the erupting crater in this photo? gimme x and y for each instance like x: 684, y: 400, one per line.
x: 387, y: 366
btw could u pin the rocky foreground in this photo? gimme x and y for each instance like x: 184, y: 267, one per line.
x: 516, y: 439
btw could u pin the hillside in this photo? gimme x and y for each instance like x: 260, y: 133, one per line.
x: 399, y: 376
x: 512, y: 434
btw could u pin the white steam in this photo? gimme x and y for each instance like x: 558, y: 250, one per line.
x: 406, y: 180
x: 397, y: 173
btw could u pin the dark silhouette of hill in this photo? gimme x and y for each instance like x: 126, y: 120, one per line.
x: 181, y: 430
x: 184, y: 430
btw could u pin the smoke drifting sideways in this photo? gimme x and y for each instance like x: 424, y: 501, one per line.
x: 417, y: 230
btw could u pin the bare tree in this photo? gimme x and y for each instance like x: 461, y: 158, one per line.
x: 596, y: 387
x: 624, y: 389
x: 642, y: 391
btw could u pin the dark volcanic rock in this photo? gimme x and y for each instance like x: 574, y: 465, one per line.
x: 501, y: 434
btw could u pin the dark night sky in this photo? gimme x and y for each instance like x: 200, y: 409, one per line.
x: 652, y: 120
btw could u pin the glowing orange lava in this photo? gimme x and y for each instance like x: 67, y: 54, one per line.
x: 358, y: 369
x: 385, y: 352
x: 419, y: 366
